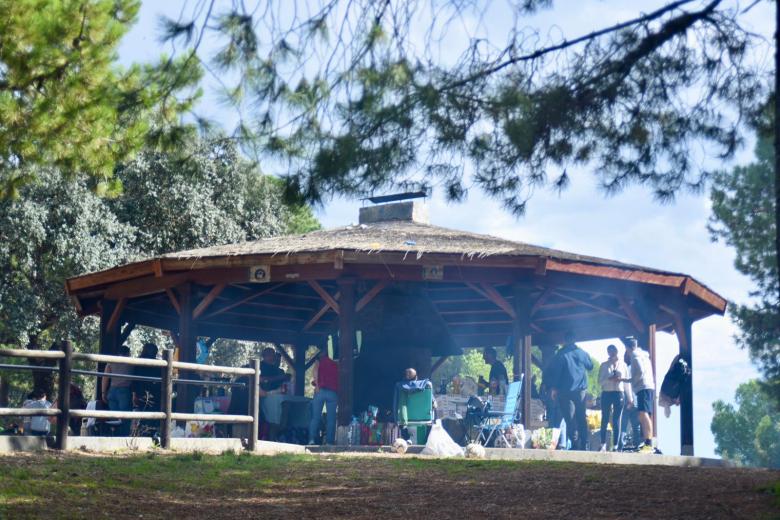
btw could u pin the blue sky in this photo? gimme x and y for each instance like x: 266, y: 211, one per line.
x: 629, y: 226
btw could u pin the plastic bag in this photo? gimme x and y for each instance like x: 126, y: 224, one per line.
x: 440, y: 443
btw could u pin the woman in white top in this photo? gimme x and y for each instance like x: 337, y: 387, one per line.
x: 611, y: 374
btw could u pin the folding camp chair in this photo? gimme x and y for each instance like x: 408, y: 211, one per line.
x: 499, y: 421
x: 415, y: 407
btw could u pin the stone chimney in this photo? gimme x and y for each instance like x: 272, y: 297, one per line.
x: 407, y: 211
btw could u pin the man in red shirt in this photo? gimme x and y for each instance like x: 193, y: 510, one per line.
x: 326, y: 394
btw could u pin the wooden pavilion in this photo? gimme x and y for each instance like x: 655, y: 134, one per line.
x: 413, y: 290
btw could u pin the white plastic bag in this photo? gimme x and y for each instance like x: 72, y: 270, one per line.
x: 440, y: 443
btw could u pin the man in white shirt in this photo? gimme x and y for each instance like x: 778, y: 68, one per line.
x: 643, y: 385
x: 611, y: 375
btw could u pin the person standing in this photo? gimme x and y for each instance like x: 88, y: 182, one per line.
x: 117, y: 390
x: 498, y: 378
x: 326, y: 395
x: 611, y: 375
x: 643, y: 385
x: 147, y: 395
x: 569, y: 383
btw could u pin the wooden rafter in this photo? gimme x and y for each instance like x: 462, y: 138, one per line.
x: 114, y: 319
x: 208, y: 300
x: 631, y: 313
x: 439, y: 362
x: 370, y: 295
x: 314, y: 358
x: 319, y: 314
x: 540, y: 301
x: 280, y: 349
x: 126, y: 332
x: 244, y: 300
x: 325, y: 295
x: 490, y: 293
x: 591, y: 305
x: 174, y: 300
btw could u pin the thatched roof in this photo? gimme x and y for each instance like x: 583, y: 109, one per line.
x: 412, y: 238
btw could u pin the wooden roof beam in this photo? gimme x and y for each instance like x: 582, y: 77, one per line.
x: 319, y: 314
x: 592, y: 305
x: 244, y: 300
x: 208, y: 300
x: 631, y: 313
x: 490, y: 293
x: 114, y: 319
x: 370, y: 295
x: 325, y: 295
x: 174, y: 300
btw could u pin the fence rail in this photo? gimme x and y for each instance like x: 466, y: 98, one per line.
x: 65, y: 358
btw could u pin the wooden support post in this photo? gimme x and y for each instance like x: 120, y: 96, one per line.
x: 684, y: 337
x: 650, y: 343
x: 346, y: 346
x: 254, y: 397
x: 167, y: 400
x: 522, y: 344
x: 299, y: 364
x: 527, y: 376
x: 63, y: 397
x: 187, y: 338
x: 109, y: 337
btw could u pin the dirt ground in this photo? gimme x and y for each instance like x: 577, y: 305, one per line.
x: 328, y: 486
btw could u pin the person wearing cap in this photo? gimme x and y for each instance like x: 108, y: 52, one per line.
x: 643, y: 386
x: 568, y: 375
x: 611, y: 375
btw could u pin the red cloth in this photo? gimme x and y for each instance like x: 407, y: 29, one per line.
x: 328, y: 374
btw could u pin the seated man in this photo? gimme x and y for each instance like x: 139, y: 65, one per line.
x: 404, y: 392
x: 271, y: 375
x: 39, y: 424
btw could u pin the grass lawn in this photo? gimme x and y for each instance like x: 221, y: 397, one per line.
x: 153, y: 485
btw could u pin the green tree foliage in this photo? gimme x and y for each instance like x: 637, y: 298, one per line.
x: 204, y: 195
x: 743, y: 216
x: 750, y: 432
x: 358, y: 96
x: 64, y: 102
x: 54, y: 229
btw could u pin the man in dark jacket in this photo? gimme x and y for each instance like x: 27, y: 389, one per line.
x: 568, y: 376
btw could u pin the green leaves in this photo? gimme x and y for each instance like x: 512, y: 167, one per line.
x: 743, y: 216
x: 750, y: 432
x: 63, y: 100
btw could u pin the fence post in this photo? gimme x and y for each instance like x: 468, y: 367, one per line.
x: 255, y: 400
x: 167, y: 403
x: 63, y: 398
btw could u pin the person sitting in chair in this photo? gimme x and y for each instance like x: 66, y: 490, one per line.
x: 410, y: 385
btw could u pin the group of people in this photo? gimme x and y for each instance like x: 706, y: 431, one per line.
x: 627, y: 385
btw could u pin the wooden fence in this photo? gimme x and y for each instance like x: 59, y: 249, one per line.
x: 63, y: 412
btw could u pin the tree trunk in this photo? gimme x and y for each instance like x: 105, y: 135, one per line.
x: 777, y: 144
x: 42, y: 380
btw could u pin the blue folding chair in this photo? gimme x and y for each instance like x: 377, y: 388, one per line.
x: 499, y: 421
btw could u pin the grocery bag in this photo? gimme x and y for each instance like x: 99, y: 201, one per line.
x: 440, y: 443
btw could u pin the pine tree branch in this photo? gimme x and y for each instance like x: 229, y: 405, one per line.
x: 582, y: 39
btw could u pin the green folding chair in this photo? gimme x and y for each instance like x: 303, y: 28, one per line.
x: 415, y: 408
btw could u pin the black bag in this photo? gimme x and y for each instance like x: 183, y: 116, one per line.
x: 674, y: 380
